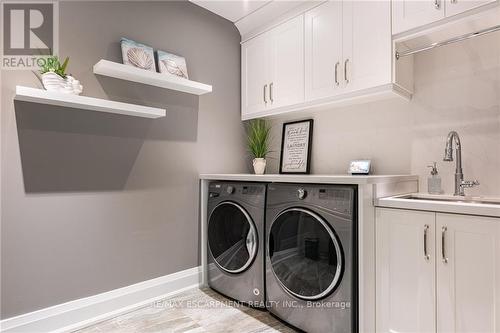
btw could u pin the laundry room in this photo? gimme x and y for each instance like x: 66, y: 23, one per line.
x: 250, y: 166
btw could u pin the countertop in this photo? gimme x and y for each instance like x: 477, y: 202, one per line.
x: 313, y: 179
x: 469, y: 206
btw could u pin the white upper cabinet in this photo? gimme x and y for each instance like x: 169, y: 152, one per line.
x: 273, y: 69
x: 454, y: 7
x: 367, y: 44
x: 255, y: 55
x: 409, y: 14
x: 336, y: 53
x: 468, y: 273
x: 323, y: 51
x: 348, y: 47
x: 286, y: 84
x: 405, y: 274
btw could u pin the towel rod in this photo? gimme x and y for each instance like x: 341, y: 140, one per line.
x: 448, y: 41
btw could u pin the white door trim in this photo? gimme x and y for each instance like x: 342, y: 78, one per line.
x: 85, y: 311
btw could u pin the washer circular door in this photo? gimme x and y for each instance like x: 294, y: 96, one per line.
x: 232, y: 237
x: 305, y: 254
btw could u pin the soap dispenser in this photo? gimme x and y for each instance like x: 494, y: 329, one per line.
x: 434, y: 180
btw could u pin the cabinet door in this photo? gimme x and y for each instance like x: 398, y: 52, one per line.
x: 459, y: 6
x: 323, y: 51
x: 255, y: 56
x: 286, y: 85
x: 367, y: 44
x: 405, y: 271
x: 468, y: 273
x: 409, y: 14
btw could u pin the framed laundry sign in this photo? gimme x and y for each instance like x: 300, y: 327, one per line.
x: 296, y: 140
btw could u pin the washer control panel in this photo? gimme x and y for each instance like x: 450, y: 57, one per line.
x: 227, y: 190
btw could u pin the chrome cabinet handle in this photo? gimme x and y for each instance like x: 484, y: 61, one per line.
x: 437, y: 4
x: 426, y: 254
x: 271, y: 92
x: 336, y: 73
x: 265, y: 98
x: 345, y: 71
x: 443, y: 244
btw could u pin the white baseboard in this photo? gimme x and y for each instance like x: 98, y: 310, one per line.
x: 85, y: 311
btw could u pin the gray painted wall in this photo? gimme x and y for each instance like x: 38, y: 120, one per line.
x: 93, y: 202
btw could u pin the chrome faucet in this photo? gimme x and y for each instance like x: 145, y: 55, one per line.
x: 460, y: 183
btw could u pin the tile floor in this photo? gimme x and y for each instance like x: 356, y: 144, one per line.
x: 196, y: 310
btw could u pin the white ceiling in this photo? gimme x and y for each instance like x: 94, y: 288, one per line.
x: 233, y: 10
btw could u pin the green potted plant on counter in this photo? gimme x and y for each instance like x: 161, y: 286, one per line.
x: 258, y: 132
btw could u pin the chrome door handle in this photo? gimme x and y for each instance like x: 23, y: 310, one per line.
x: 271, y: 92
x: 336, y: 73
x: 437, y: 4
x: 443, y: 244
x: 250, y: 242
x: 265, y: 98
x: 426, y: 254
x: 345, y: 71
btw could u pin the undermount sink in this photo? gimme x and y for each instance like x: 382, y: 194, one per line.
x: 450, y: 198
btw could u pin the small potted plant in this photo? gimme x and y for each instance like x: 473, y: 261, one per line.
x: 54, y: 73
x: 258, y: 143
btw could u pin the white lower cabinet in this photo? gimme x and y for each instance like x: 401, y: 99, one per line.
x: 405, y: 271
x: 468, y: 273
x: 437, y: 272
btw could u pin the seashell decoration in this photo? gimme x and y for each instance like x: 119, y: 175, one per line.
x: 170, y: 66
x: 139, y: 58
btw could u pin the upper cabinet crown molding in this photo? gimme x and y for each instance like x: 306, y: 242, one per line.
x: 272, y: 15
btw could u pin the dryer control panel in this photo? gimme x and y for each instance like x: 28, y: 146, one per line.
x: 336, y: 198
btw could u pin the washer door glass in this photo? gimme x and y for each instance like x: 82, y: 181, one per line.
x: 232, y: 237
x: 306, y: 256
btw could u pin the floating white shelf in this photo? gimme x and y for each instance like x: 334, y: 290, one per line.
x: 41, y: 96
x: 129, y: 73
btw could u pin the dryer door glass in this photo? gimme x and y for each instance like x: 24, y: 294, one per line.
x: 306, y: 256
x: 232, y: 237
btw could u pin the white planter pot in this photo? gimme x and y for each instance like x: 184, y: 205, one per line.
x: 53, y: 82
x: 259, y: 166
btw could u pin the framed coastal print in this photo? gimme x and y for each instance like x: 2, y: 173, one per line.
x: 296, y: 141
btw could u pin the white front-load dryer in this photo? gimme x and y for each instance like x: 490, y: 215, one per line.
x: 236, y: 240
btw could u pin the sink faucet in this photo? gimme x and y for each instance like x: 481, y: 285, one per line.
x: 460, y: 183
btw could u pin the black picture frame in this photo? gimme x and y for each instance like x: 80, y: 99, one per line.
x: 309, y: 147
